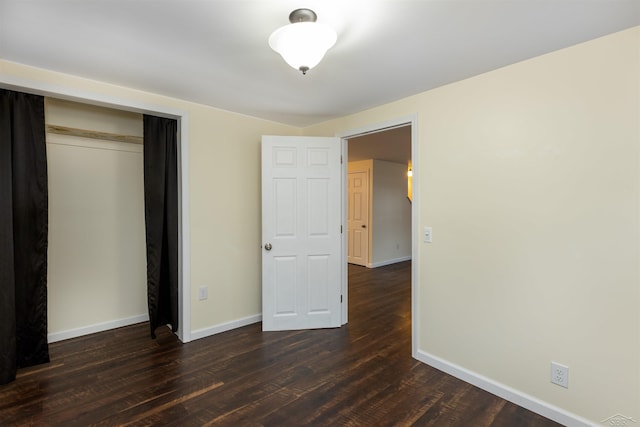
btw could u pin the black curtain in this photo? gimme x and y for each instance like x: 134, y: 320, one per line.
x: 161, y: 219
x: 23, y: 233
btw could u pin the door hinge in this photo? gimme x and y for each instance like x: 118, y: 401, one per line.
x: 340, y: 159
x: 340, y: 229
x: 340, y: 299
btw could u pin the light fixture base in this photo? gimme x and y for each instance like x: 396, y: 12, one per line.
x: 303, y: 42
x: 302, y: 15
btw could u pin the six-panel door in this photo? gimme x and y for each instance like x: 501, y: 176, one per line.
x: 301, y: 233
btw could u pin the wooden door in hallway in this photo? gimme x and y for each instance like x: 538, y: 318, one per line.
x: 358, y: 218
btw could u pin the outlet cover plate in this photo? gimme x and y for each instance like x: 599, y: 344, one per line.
x: 560, y: 374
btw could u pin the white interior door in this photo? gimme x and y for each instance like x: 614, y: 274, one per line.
x: 301, y: 233
x: 358, y: 218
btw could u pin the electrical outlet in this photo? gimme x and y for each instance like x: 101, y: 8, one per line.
x: 203, y: 292
x: 560, y: 374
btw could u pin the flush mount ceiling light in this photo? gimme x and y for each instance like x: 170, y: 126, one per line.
x: 303, y: 43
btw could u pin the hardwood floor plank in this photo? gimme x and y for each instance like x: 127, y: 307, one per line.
x: 359, y: 375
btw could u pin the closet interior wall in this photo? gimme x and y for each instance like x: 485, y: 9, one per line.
x: 97, y: 260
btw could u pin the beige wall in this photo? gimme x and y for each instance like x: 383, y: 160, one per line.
x: 530, y: 178
x: 226, y: 214
x: 391, y: 214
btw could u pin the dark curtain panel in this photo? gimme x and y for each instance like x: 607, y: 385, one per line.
x: 161, y: 219
x: 23, y: 233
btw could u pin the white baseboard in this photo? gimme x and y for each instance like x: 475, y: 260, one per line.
x: 223, y: 327
x: 97, y: 327
x: 113, y: 324
x: 512, y: 395
x: 389, y: 262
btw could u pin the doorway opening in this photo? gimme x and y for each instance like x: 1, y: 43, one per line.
x: 394, y: 146
x: 379, y: 211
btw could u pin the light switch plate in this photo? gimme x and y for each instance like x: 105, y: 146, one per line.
x: 427, y: 234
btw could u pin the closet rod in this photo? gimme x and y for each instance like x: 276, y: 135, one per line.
x: 64, y: 130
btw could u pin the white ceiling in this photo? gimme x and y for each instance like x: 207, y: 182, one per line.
x: 215, y: 52
x: 393, y: 145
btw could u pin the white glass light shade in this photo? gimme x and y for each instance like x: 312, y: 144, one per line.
x: 303, y: 44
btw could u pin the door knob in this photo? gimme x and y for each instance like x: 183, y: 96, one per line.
x: 268, y: 246
x: 364, y: 226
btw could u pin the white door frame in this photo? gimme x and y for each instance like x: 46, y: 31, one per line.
x: 415, y: 210
x: 86, y: 97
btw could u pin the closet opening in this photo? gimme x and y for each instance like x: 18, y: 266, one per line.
x: 96, y: 275
x: 127, y: 144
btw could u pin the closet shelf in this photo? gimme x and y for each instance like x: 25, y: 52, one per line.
x: 64, y: 130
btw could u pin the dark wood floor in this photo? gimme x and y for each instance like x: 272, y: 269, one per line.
x: 359, y: 375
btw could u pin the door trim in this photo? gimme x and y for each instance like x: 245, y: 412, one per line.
x: 411, y: 120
